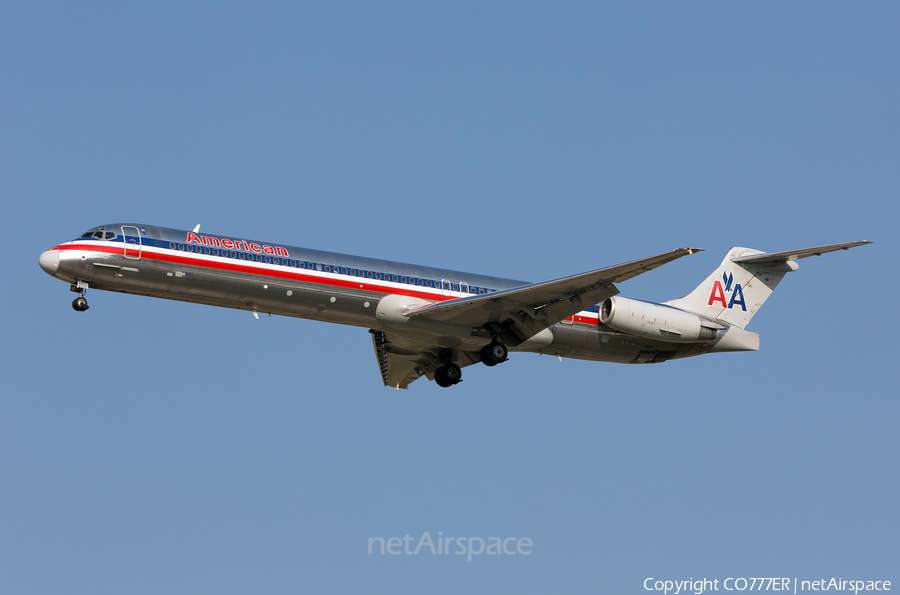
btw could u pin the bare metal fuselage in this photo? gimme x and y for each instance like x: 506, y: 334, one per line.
x: 289, y: 281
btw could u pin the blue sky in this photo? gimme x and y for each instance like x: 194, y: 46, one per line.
x: 149, y: 446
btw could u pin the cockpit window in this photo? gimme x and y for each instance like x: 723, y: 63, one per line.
x: 110, y: 235
x: 87, y: 234
x: 98, y: 235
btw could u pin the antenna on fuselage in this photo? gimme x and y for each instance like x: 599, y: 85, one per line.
x: 196, y: 229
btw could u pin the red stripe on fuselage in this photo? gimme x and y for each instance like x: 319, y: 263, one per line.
x: 270, y: 272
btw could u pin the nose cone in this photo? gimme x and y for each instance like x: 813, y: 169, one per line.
x: 49, y: 261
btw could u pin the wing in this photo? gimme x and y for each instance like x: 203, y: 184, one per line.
x: 403, y: 361
x: 521, y: 312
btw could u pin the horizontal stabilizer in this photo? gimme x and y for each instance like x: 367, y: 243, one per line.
x: 775, y: 257
x: 736, y: 290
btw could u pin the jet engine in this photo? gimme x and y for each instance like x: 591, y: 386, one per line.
x: 655, y: 321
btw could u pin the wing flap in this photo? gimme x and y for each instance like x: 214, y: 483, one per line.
x: 402, y: 360
x: 398, y: 368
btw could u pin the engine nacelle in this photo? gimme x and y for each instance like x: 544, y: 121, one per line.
x: 655, y: 321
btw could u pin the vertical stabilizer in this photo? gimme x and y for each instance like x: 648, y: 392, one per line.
x: 736, y: 290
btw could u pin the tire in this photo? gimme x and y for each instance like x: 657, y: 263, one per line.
x: 485, y: 354
x: 80, y: 304
x: 496, y: 352
x: 449, y: 373
x: 440, y: 379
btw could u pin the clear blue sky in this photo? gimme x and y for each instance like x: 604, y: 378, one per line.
x: 149, y: 446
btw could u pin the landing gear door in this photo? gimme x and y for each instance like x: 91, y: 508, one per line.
x: 132, y: 237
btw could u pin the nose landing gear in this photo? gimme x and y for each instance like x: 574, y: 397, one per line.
x: 79, y: 304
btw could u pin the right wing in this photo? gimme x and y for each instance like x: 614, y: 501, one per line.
x: 514, y: 314
x: 522, y: 312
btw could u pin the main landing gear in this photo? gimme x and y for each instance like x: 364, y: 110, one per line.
x: 491, y: 355
x: 494, y: 353
x: 447, y: 375
x: 79, y: 304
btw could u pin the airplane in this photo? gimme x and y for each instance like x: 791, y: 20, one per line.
x: 433, y: 322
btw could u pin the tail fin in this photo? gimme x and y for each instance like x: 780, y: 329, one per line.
x: 736, y: 290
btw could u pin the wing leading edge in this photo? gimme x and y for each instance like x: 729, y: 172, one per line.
x: 522, y: 312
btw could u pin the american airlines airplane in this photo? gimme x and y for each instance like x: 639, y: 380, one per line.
x: 426, y: 321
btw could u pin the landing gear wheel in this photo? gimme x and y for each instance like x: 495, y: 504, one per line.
x: 440, y: 380
x: 80, y: 304
x: 447, y: 375
x: 493, y: 354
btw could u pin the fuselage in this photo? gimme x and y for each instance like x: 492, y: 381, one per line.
x: 276, y: 279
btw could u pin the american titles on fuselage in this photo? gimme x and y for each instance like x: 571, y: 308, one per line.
x: 236, y: 245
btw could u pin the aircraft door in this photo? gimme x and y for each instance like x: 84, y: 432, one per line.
x: 132, y: 241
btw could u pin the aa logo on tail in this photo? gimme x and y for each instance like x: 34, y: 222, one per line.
x: 719, y: 290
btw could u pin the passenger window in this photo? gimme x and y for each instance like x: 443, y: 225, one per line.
x: 455, y: 287
x: 206, y: 250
